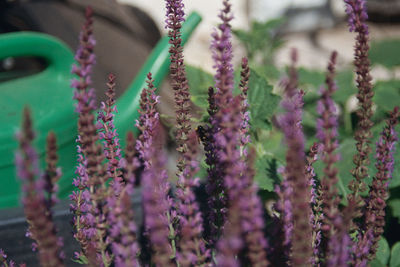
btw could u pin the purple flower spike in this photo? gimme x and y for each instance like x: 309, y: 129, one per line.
x: 356, y: 9
x: 316, y: 215
x: 157, y: 204
x: 244, y: 87
x: 375, y: 215
x: 191, y: 245
x: 41, y: 227
x: 52, y: 173
x: 215, y: 188
x: 93, y: 236
x: 221, y: 47
x: 290, y: 123
x: 244, y: 217
x: 180, y: 85
x: 157, y: 209
x: 284, y: 206
x: 327, y: 134
x: 86, y: 59
x: 339, y: 246
x: 108, y: 133
x: 148, y: 121
x: 357, y: 12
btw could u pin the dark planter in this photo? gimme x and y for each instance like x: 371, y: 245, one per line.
x: 18, y: 247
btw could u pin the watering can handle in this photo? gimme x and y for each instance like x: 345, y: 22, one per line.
x: 17, y: 44
x: 158, y: 64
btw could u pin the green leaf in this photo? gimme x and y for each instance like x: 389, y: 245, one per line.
x: 387, y: 94
x: 266, y: 174
x: 395, y: 207
x: 81, y: 260
x: 346, y: 151
x: 261, y: 40
x: 395, y: 256
x: 199, y: 82
x: 385, y: 53
x: 383, y: 253
x: 261, y: 100
x: 346, y: 87
x: 312, y: 79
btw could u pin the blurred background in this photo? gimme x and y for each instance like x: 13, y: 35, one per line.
x: 314, y: 27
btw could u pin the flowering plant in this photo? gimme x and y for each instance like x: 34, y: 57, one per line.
x: 308, y: 225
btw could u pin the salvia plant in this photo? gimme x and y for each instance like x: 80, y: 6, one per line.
x: 311, y: 224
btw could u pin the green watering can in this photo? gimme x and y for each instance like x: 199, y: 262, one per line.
x: 49, y: 96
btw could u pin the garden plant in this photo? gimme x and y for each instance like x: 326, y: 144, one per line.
x: 306, y: 218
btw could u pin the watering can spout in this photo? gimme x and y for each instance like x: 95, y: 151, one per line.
x: 158, y: 64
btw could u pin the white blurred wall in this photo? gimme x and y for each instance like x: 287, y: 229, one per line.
x: 196, y: 51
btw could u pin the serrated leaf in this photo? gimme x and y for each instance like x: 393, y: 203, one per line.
x: 261, y: 100
x: 395, y: 256
x: 266, y: 175
x: 385, y: 53
x: 199, y: 82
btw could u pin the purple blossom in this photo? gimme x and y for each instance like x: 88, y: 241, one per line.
x: 41, y: 227
x: 244, y: 213
x: 290, y: 123
x: 244, y: 87
x: 191, y: 245
x: 316, y: 215
x: 327, y: 125
x: 157, y: 209
x: 356, y: 9
x: 375, y: 213
x: 339, y: 247
x: 221, y: 48
x: 284, y: 206
x: 91, y: 150
x: 357, y: 12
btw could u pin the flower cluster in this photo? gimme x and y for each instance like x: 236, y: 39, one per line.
x: 306, y: 226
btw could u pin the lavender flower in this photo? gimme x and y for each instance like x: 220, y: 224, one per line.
x: 284, y: 207
x: 244, y: 213
x: 252, y: 221
x: 4, y: 262
x: 316, y: 215
x: 375, y: 214
x: 290, y: 123
x: 156, y: 209
x: 92, y: 152
x: 192, y: 247
x: 52, y: 173
x: 155, y: 184
x: 107, y: 132
x: 147, y: 122
x: 41, y: 227
x: 221, y: 47
x: 217, y: 200
x: 339, y: 245
x: 244, y: 87
x: 327, y: 134
x: 357, y: 21
x: 123, y: 229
